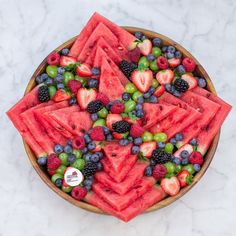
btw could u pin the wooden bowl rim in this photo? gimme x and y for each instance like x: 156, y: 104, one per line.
x: 165, y: 202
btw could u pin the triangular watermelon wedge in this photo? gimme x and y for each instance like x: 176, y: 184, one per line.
x: 120, y: 202
x: 127, y: 166
x: 207, y: 134
x: 124, y: 38
x: 155, y: 113
x: 132, y: 178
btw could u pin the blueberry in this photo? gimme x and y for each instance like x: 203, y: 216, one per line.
x: 139, y: 107
x: 193, y: 142
x: 131, y: 139
x: 68, y: 149
x: 180, y: 69
x: 95, y: 157
x: 184, y: 161
x: 143, y: 37
x: 106, y: 130
x: 170, y: 55
x: 109, y: 137
x: 84, y: 150
x: 140, y: 100
x: 176, y: 161
x: 72, y: 101
x: 126, y: 96
x: 184, y: 154
x: 69, y: 142
x: 71, y: 158
x: 99, y: 166
x: 108, y: 106
x: 42, y: 161
x: 202, y: 82
x: 65, y: 51
x: 44, y: 77
x: 58, y: 149
x: 88, y: 182
x: 148, y: 171
x: 140, y: 113
x: 169, y: 88
x: 161, y: 144
x: 164, y: 49
x: 123, y: 142
x: 173, y: 141
x: 93, y: 83
x: 152, y: 162
x: 151, y: 90
x: 100, y: 155
x: 61, y: 70
x: 150, y: 57
x: 179, y: 137
x: 88, y: 187
x: 60, y: 86
x: 171, y: 49
x: 87, y: 139
x: 87, y: 156
x: 147, y: 95
x: 134, y: 113
x: 153, y: 99
x: 138, y: 141
x: 95, y: 71
x: 39, y: 79
x: 178, y: 54
x: 138, y: 35
x: 91, y: 146
x: 196, y: 167
x: 135, y: 149
x: 176, y: 93
x: 59, y: 79
x: 156, y: 42
x: 59, y: 182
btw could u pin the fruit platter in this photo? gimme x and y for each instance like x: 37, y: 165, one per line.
x: 120, y: 120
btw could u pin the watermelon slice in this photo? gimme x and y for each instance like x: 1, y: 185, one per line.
x: 116, y: 154
x: 208, y: 110
x: 119, y: 202
x: 127, y: 166
x: 54, y: 134
x: 153, y: 196
x: 155, y: 113
x: 113, y: 69
x: 110, y: 84
x: 124, y: 38
x: 207, y: 134
x: 74, y: 121
x: 193, y: 116
x: 102, y: 43
x: 133, y: 177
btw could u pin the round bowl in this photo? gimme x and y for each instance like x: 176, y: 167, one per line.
x: 167, y: 201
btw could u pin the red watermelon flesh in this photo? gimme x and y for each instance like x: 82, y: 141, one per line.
x: 208, y: 110
x: 127, y: 166
x: 110, y: 84
x: 116, y: 154
x: 112, y: 69
x: 155, y: 113
x: 120, y: 202
x: 75, y: 122
x: 102, y: 43
x: 54, y: 134
x: 37, y: 130
x: 124, y: 37
x: 132, y: 178
x: 99, y: 31
x: 207, y: 134
x: 170, y: 120
x: 151, y: 197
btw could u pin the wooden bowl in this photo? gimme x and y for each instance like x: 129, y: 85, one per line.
x: 208, y: 158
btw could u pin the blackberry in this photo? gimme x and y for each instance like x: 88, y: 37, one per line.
x: 181, y: 85
x: 127, y: 68
x: 121, y: 126
x: 43, y: 94
x: 90, y: 169
x: 94, y: 106
x: 160, y: 157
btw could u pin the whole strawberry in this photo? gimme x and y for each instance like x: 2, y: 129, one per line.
x: 97, y: 134
x: 74, y: 86
x: 159, y: 171
x: 53, y: 162
x: 79, y: 193
x: 196, y: 158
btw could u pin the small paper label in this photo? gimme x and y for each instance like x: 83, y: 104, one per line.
x: 73, y: 176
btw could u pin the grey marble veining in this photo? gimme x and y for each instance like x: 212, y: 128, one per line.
x: 29, y: 30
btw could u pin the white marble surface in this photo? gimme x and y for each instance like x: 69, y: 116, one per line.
x: 29, y: 30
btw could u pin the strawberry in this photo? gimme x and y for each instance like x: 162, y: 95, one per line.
x: 142, y: 79
x: 117, y: 108
x: 66, y: 60
x: 132, y: 121
x: 196, y: 158
x: 64, y: 182
x: 136, y: 130
x: 165, y: 76
x: 185, y: 178
x: 74, y: 86
x: 162, y: 63
x: 78, y: 192
x: 53, y: 59
x: 61, y: 95
x: 171, y: 186
x: 111, y: 119
x: 159, y: 91
x: 102, y: 98
x: 84, y: 69
x: 174, y: 62
x: 98, y: 147
x: 189, y: 64
x: 85, y: 96
x: 192, y: 82
x: 118, y: 135
x: 145, y: 47
x: 97, y: 134
x: 147, y: 148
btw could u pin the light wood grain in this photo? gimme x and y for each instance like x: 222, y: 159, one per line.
x: 209, y: 156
